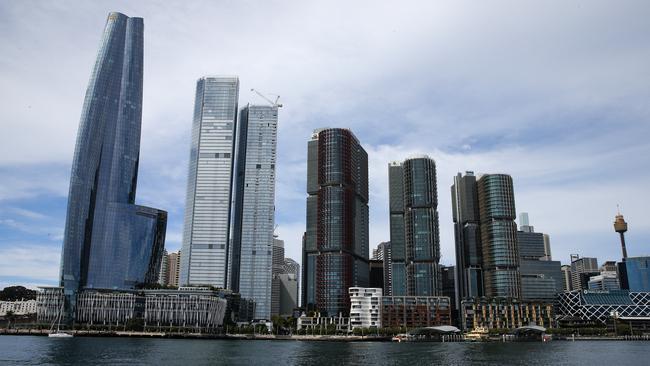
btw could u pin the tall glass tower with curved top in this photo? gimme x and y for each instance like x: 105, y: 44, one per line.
x: 500, y: 251
x: 110, y: 242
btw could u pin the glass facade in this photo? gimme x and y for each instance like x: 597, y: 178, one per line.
x: 206, y: 229
x: 109, y: 242
x: 638, y: 273
x: 469, y: 271
x: 500, y: 260
x: 335, y: 246
x: 414, y: 226
x: 254, y: 211
x: 397, y: 233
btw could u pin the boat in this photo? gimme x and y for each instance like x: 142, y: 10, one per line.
x: 477, y: 334
x: 58, y: 333
x: 400, y: 338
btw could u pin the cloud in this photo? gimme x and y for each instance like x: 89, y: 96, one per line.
x: 33, y: 261
x: 553, y: 93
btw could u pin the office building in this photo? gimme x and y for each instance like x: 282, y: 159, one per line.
x: 469, y: 271
x: 276, y: 269
x: 288, y: 293
x: 376, y: 275
x: 292, y: 267
x: 541, y: 278
x: 109, y: 242
x: 500, y: 260
x: 169, y: 269
x: 415, y: 311
x: 365, y: 307
x: 206, y: 229
x: 254, y: 211
x: 608, y: 266
x: 383, y: 253
x: 505, y: 313
x: 604, y: 281
x: 566, y: 277
x: 173, y: 266
x: 397, y: 231
x: 417, y: 190
x: 638, y: 273
x: 581, y: 270
x: 335, y: 245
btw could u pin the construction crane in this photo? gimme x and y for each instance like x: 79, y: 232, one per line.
x: 274, y: 104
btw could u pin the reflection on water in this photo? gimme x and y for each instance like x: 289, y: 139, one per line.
x: 30, y: 350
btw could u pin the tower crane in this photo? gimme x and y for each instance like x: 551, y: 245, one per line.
x: 273, y: 103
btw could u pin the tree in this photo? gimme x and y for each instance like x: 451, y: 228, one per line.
x: 10, y: 316
x: 17, y: 293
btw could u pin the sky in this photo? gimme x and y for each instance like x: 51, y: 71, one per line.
x: 554, y: 93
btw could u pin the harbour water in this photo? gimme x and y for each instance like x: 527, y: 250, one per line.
x: 33, y: 350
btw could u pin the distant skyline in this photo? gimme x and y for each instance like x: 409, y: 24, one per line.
x: 552, y: 93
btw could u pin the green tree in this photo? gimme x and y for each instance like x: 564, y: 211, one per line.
x: 11, y: 317
x: 17, y: 293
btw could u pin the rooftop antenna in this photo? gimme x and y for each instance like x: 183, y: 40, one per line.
x: 273, y: 103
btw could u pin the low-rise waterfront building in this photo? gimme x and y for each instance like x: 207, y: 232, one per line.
x: 318, y: 323
x: 22, y: 307
x: 415, y: 311
x: 365, y: 308
x: 601, y: 306
x: 198, y: 309
x: 505, y: 313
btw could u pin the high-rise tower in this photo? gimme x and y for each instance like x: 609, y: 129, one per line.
x: 469, y: 254
x: 500, y: 258
x: 620, y: 226
x: 419, y: 220
x: 254, y: 211
x: 335, y: 246
x: 206, y: 229
x: 109, y: 242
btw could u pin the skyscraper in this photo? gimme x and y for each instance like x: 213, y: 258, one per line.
x: 421, y: 251
x: 291, y: 267
x: 254, y: 213
x: 582, y: 269
x: 335, y: 246
x: 397, y: 234
x: 206, y: 229
x: 541, y: 278
x: 384, y: 253
x: 109, y: 242
x: 496, y: 201
x: 469, y: 272
x: 277, y: 268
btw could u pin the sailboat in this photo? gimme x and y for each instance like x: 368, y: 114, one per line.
x: 58, y: 333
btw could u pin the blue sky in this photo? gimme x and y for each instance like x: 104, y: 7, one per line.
x: 554, y: 93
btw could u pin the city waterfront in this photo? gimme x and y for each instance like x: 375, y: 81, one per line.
x: 28, y: 350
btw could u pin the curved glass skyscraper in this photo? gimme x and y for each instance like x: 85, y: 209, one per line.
x: 414, y: 227
x: 110, y: 242
x: 496, y: 200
